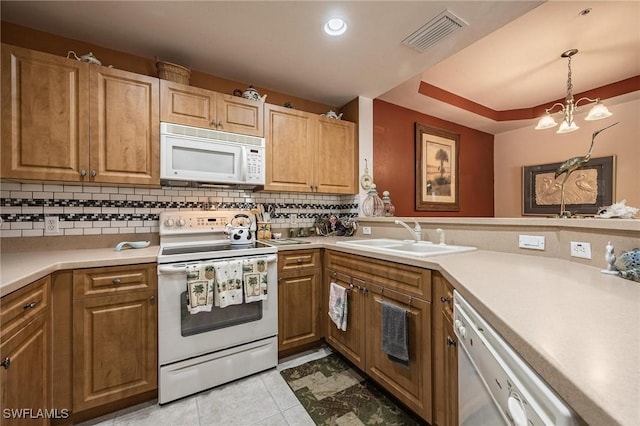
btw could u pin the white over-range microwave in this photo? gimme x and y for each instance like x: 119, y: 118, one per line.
x: 191, y: 156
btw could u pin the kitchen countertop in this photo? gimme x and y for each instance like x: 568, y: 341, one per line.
x: 578, y: 328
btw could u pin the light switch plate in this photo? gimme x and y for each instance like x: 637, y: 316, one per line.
x: 582, y: 250
x: 532, y: 242
x: 366, y: 230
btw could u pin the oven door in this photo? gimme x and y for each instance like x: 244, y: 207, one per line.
x: 183, y: 335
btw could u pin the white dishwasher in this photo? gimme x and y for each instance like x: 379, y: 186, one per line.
x: 495, y: 385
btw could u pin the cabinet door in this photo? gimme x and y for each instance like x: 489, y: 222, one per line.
x: 188, y: 105
x: 45, y: 116
x: 442, y: 313
x: 24, y: 377
x: 291, y: 140
x: 125, y: 127
x: 114, y: 348
x: 239, y: 115
x: 336, y: 157
x: 451, y: 374
x: 410, y: 384
x: 299, y: 309
x: 350, y: 343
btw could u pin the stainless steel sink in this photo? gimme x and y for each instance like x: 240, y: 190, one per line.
x: 408, y: 247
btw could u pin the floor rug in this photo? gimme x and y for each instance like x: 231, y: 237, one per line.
x: 335, y: 394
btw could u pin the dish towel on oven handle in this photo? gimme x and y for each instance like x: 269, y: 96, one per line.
x: 255, y: 279
x: 228, y: 281
x: 338, y: 306
x: 200, y: 286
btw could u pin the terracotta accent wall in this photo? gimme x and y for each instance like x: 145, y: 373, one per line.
x: 57, y: 45
x: 394, y: 161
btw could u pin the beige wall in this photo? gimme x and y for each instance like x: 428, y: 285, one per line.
x: 526, y: 147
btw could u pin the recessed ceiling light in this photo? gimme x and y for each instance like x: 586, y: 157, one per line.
x: 335, y: 26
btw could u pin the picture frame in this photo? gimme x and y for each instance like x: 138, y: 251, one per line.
x: 436, y: 169
x: 586, y: 190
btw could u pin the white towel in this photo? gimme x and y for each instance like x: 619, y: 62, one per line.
x: 338, y: 306
x: 228, y: 281
x: 255, y: 279
x: 200, y: 278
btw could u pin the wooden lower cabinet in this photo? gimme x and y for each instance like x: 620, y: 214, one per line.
x: 411, y: 383
x: 25, y: 352
x: 369, y: 283
x: 114, y: 338
x: 445, y: 350
x: 299, y: 304
x: 351, y: 342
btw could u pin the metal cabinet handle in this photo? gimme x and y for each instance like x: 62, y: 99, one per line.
x: 213, y: 123
x: 117, y: 281
x: 450, y: 342
x: 152, y: 299
x: 93, y: 173
x: 6, y: 363
x: 299, y: 260
x: 83, y: 172
x: 445, y: 299
x: 30, y: 305
x: 220, y: 124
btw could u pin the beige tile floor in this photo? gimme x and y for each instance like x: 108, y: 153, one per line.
x: 263, y: 399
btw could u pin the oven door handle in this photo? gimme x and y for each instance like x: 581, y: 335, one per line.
x: 181, y: 268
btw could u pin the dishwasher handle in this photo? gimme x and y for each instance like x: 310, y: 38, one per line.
x: 181, y: 268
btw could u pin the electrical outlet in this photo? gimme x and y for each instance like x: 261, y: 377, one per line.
x: 293, y: 218
x: 582, y: 250
x: 51, y: 225
x: 366, y: 230
x: 533, y: 242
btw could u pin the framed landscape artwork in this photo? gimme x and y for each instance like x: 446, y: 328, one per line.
x: 436, y: 169
x: 586, y: 189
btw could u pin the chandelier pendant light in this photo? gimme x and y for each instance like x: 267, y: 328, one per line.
x: 570, y: 107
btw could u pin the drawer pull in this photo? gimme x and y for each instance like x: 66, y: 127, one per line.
x: 445, y: 299
x: 117, y: 281
x: 30, y: 305
x: 6, y: 363
x: 450, y: 342
x: 299, y: 260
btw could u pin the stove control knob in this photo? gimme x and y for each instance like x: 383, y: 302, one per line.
x: 457, y: 323
x: 169, y: 223
x: 181, y: 222
x: 463, y: 331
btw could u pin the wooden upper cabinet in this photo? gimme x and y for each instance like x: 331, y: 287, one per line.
x: 125, y: 123
x: 192, y: 106
x: 239, y: 115
x: 66, y: 120
x: 336, y: 157
x: 309, y: 153
x: 291, y: 140
x: 45, y: 115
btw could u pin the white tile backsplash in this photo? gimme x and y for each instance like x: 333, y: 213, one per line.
x: 93, y: 210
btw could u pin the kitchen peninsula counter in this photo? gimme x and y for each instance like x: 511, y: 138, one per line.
x: 578, y: 328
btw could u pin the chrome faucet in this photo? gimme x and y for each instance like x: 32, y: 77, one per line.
x: 415, y: 232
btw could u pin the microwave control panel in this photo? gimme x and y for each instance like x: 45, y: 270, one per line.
x: 255, y: 165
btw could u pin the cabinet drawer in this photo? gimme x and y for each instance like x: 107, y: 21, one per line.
x: 113, y: 280
x: 298, y: 260
x: 19, y: 307
x: 407, y: 279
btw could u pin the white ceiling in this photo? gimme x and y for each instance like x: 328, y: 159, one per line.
x: 507, y: 58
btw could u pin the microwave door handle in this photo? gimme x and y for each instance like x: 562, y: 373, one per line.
x: 244, y: 166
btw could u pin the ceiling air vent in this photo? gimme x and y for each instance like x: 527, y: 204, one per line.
x: 440, y: 27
